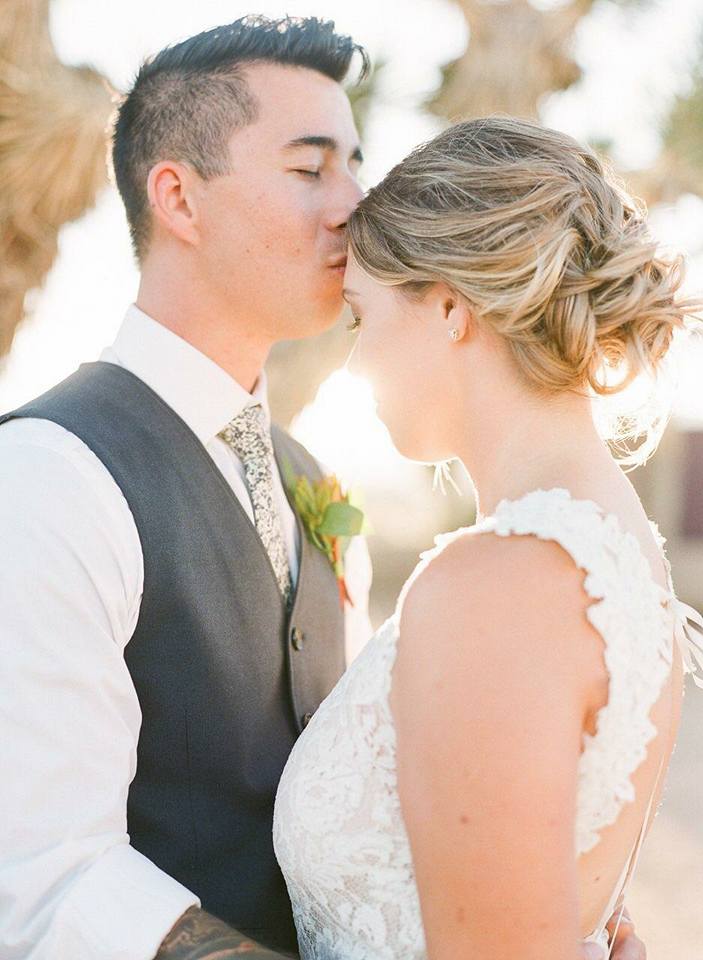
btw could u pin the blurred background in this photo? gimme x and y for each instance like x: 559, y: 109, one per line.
x: 625, y: 76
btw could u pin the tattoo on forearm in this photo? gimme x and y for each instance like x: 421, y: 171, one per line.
x: 200, y: 936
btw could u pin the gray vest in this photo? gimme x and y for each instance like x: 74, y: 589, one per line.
x: 226, y: 679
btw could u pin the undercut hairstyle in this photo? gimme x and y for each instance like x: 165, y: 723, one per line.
x: 187, y: 101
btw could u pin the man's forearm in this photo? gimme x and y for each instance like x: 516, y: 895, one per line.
x: 200, y: 936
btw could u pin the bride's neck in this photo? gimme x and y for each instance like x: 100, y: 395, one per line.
x: 516, y: 448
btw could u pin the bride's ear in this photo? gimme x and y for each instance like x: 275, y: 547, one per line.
x: 455, y: 313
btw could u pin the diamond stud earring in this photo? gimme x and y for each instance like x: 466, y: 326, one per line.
x: 454, y: 334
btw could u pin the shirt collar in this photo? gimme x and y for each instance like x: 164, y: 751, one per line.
x: 200, y: 391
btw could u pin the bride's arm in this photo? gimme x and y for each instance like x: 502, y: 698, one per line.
x: 496, y: 668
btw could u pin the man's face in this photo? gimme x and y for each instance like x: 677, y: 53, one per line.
x: 273, y: 230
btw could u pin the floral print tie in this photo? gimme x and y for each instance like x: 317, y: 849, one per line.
x: 248, y: 435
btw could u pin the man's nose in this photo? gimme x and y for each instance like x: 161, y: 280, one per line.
x: 345, y: 203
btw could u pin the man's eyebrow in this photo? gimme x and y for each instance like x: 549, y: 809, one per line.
x: 325, y: 143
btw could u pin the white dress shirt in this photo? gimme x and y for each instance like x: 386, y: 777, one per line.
x: 71, y: 886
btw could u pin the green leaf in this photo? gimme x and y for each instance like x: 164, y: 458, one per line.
x: 341, y: 520
x: 324, y: 496
x: 316, y: 541
x: 305, y: 496
x: 289, y: 476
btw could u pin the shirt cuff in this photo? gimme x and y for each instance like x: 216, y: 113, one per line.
x: 120, y: 908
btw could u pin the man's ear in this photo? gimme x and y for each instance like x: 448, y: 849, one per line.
x: 173, y: 199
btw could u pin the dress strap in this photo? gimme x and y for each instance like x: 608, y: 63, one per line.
x: 627, y: 871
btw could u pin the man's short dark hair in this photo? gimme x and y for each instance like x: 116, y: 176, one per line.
x: 187, y: 100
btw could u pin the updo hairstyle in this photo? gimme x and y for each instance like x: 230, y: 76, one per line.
x: 544, y: 244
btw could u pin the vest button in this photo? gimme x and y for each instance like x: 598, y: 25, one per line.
x: 297, y: 638
x: 305, y: 719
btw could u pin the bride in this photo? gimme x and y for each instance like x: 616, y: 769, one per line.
x: 479, y: 782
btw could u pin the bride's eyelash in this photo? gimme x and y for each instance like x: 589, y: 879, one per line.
x: 354, y: 325
x: 313, y: 174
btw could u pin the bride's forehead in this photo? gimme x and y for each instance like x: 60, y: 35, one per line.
x: 357, y: 273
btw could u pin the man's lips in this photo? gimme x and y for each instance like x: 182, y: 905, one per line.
x: 338, y: 263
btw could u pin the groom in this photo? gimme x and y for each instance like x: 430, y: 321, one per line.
x: 169, y: 629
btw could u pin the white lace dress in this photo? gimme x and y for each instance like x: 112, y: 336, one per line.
x: 338, y: 830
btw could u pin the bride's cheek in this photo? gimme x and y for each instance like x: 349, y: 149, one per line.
x: 370, y: 354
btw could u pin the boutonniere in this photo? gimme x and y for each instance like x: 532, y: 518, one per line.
x: 329, y: 518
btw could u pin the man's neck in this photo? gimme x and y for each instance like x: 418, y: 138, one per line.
x: 229, y: 344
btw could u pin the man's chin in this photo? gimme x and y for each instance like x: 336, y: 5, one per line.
x: 314, y: 324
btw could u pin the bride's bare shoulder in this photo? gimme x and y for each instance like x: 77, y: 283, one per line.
x: 508, y: 599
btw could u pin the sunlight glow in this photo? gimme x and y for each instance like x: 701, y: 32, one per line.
x: 341, y: 428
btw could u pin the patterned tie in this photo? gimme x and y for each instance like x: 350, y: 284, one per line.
x: 249, y: 437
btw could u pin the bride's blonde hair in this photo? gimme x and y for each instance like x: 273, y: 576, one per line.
x: 546, y: 247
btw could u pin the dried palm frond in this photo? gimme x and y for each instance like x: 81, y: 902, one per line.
x: 53, y: 122
x: 516, y: 54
